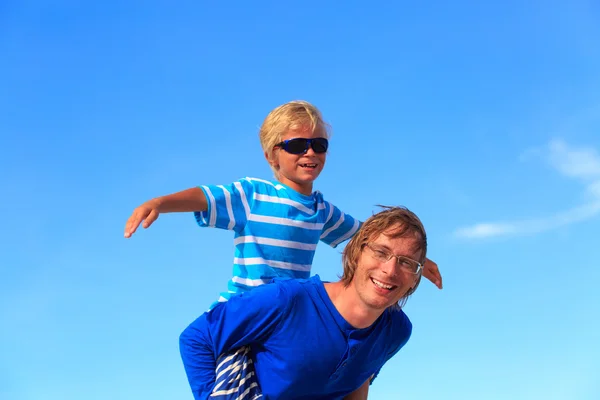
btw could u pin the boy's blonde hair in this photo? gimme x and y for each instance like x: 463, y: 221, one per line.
x: 292, y: 115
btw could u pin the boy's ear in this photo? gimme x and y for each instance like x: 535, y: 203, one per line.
x: 271, y: 159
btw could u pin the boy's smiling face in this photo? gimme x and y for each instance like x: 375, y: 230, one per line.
x: 299, y: 171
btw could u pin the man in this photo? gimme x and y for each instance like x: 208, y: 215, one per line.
x: 311, y: 339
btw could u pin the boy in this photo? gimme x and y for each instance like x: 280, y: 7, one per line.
x: 277, y: 224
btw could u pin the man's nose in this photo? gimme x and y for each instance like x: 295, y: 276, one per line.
x: 389, y: 267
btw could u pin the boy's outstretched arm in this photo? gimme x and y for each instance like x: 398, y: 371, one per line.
x: 185, y: 201
x: 432, y: 272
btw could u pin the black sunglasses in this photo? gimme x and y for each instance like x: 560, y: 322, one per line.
x: 301, y: 145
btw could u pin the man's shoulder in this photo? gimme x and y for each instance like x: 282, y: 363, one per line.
x: 294, y: 288
x: 295, y: 285
x: 278, y: 293
x: 399, y: 325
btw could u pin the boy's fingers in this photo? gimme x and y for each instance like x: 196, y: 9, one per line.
x: 437, y: 278
x: 433, y: 274
x: 134, y: 221
x: 150, y: 218
x: 132, y: 224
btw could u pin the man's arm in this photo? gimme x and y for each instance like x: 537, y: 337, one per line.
x: 243, y: 320
x: 361, y: 393
x: 188, y: 200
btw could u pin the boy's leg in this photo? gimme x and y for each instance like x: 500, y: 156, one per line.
x: 236, y: 378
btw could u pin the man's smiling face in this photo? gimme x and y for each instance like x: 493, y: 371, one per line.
x: 380, y: 284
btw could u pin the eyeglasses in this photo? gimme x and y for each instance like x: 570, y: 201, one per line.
x: 301, y: 145
x: 381, y: 254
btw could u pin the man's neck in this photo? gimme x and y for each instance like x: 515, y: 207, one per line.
x: 353, y: 310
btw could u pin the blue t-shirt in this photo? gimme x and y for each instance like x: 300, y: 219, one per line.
x: 302, y: 347
x: 276, y: 229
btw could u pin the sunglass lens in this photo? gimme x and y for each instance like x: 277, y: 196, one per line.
x: 296, y: 146
x: 320, y: 145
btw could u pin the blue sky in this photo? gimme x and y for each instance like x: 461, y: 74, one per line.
x: 481, y: 118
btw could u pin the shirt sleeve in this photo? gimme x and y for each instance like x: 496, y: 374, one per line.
x: 339, y: 226
x: 247, y: 318
x: 228, y: 205
x: 401, y: 331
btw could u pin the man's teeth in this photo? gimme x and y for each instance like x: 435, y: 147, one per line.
x: 308, y: 165
x: 381, y: 284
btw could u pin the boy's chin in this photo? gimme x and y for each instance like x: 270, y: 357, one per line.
x: 307, y: 180
x: 308, y: 176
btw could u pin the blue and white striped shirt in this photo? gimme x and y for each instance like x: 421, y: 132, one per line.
x: 276, y: 229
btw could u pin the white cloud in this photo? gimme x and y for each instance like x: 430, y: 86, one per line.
x: 582, y: 163
x: 593, y: 189
x: 486, y: 230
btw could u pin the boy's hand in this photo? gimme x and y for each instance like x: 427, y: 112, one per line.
x: 432, y: 272
x: 188, y: 200
x: 147, y: 212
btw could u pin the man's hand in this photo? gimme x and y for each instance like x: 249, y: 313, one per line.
x: 432, y: 272
x: 147, y: 212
